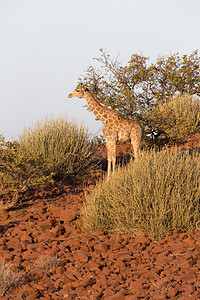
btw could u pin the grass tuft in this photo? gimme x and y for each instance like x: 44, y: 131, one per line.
x: 48, y: 262
x: 154, y: 195
x: 9, y: 278
x: 64, y: 147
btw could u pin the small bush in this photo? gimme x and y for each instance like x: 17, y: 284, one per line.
x: 176, y: 118
x: 153, y: 195
x: 47, y: 263
x: 18, y: 170
x: 8, y: 277
x: 64, y: 147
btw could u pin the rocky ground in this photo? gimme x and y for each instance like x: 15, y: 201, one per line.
x: 92, y: 266
x: 44, y: 240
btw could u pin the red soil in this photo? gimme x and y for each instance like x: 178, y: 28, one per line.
x: 97, y: 265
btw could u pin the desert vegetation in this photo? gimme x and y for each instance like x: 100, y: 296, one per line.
x: 47, y: 262
x: 135, y: 89
x: 10, y: 278
x: 64, y: 147
x: 52, y: 149
x: 51, y: 236
x: 176, y: 119
x: 154, y: 195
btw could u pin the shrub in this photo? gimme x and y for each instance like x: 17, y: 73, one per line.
x: 65, y: 148
x: 9, y: 278
x: 18, y: 170
x: 153, y: 195
x: 176, y: 118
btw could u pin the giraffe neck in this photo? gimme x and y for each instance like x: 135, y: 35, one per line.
x: 97, y: 109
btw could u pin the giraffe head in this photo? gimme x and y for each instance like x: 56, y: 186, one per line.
x: 78, y: 92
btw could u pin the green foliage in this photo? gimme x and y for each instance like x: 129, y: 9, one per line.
x: 137, y: 87
x: 64, y: 147
x: 153, y: 195
x: 176, y: 118
x: 18, y: 170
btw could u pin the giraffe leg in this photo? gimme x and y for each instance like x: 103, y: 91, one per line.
x: 113, y: 154
x: 136, y: 148
x: 136, y: 140
x: 109, y: 159
x: 111, y: 148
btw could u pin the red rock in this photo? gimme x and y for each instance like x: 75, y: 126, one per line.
x: 69, y: 214
x: 131, y: 297
x: 82, y: 257
x: 117, y: 296
x: 45, y: 236
x: 142, y: 242
x: 4, y: 216
x: 125, y: 258
x: 59, y: 229
x: 136, y: 287
x: 109, y: 291
x: 106, y: 271
x: 150, y: 275
x: 88, y: 281
x: 93, y: 266
x: 159, y: 295
x: 3, y: 247
x: 26, y: 237
x: 188, y: 289
x: 120, y: 265
x: 68, y: 230
x: 85, y: 248
x: 71, y: 276
x: 17, y: 231
x: 60, y: 270
x: 101, y: 248
x: 189, y: 277
x: 7, y: 255
x: 122, y: 253
x: 47, y: 224
x: 173, y: 292
x: 13, y: 243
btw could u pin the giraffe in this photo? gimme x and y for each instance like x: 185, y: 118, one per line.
x: 115, y: 128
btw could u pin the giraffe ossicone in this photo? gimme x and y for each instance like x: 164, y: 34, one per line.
x: 115, y: 126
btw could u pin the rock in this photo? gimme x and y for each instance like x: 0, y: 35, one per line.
x: 59, y: 230
x: 60, y: 270
x: 101, y: 248
x: 69, y: 214
x: 173, y: 292
x: 88, y: 281
x: 142, y: 242
x: 117, y: 296
x: 93, y: 265
x: 47, y: 224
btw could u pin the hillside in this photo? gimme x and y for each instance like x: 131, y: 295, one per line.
x: 44, y: 240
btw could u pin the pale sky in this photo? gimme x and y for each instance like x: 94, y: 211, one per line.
x: 45, y: 45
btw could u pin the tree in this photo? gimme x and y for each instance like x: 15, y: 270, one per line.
x: 136, y: 88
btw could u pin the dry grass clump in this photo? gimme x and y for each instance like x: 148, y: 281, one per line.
x: 153, y: 195
x: 64, y: 147
x: 47, y: 262
x: 9, y: 278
